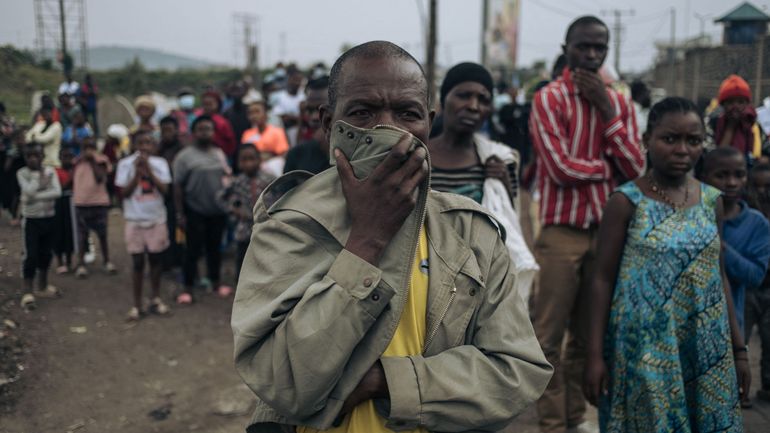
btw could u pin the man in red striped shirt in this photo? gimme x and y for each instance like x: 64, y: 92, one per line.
x: 586, y: 141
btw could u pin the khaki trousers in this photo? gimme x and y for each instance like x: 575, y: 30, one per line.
x: 566, y: 257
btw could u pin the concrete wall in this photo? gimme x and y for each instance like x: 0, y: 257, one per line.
x: 701, y: 72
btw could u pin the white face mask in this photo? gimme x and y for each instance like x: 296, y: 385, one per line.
x: 187, y: 102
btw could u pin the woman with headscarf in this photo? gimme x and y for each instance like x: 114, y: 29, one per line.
x: 467, y: 163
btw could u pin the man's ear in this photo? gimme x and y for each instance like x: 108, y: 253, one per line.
x: 326, y: 112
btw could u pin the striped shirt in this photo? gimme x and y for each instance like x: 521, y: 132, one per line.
x: 579, y: 157
x: 467, y: 181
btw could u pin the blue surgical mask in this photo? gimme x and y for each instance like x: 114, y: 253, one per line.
x: 187, y: 102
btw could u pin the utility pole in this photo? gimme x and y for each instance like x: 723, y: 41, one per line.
x: 484, y: 27
x: 672, y: 51
x: 63, y: 25
x: 617, y: 31
x: 702, y: 18
x: 431, y: 52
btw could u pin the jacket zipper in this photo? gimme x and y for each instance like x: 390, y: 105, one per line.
x: 436, y: 325
x: 422, y: 202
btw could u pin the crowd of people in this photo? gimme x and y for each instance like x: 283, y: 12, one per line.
x: 647, y: 276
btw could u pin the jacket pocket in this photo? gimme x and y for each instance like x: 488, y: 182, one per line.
x: 456, y: 310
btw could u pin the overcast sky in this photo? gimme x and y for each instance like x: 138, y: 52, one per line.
x: 314, y: 30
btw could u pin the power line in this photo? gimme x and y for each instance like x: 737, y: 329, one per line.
x: 647, y: 18
x: 556, y: 10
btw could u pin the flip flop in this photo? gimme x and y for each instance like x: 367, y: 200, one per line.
x: 157, y: 306
x: 28, y: 302
x: 184, y: 299
x: 224, y: 291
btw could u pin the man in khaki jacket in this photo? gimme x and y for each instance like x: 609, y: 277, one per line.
x: 368, y: 302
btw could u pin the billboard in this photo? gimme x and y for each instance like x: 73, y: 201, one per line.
x: 502, y: 33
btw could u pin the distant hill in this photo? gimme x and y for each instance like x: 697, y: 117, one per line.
x: 112, y: 57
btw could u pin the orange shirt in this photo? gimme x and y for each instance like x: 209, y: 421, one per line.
x: 271, y: 140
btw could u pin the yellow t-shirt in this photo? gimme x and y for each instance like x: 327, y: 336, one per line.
x: 408, y: 339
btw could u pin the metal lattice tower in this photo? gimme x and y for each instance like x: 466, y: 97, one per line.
x: 60, y: 25
x: 245, y: 36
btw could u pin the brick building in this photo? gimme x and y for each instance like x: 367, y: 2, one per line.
x: 696, y: 71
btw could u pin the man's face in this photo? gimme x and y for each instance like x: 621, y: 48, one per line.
x: 315, y: 99
x: 204, y: 131
x: 237, y: 90
x: 168, y: 132
x: 587, y: 47
x: 210, y: 104
x: 293, y: 83
x: 381, y: 91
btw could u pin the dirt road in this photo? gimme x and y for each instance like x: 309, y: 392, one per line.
x: 83, y: 369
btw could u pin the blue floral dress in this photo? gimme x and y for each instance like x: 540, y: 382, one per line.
x: 668, y: 346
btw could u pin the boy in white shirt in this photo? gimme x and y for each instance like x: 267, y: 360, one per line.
x: 144, y: 180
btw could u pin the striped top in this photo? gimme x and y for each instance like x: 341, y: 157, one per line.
x: 579, y: 157
x: 468, y: 181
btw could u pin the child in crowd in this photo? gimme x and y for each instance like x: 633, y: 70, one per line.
x: 757, y: 308
x: 74, y: 134
x: 89, y: 194
x: 39, y: 191
x: 144, y: 180
x: 145, y: 110
x: 64, y: 244
x: 241, y: 196
x: 664, y: 343
x: 9, y: 186
x: 746, y: 232
x: 200, y: 172
x: 268, y: 139
x: 736, y: 126
x: 47, y: 132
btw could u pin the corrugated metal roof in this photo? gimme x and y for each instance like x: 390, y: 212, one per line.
x: 744, y: 12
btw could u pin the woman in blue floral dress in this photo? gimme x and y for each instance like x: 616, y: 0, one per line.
x: 664, y: 348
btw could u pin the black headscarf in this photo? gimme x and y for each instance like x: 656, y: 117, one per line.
x: 464, y: 72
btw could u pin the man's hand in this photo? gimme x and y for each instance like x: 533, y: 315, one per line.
x: 373, y: 385
x: 45, y: 180
x: 142, y: 168
x: 495, y: 168
x: 181, y: 220
x: 743, y: 372
x: 379, y: 204
x: 595, y: 379
x: 592, y: 88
